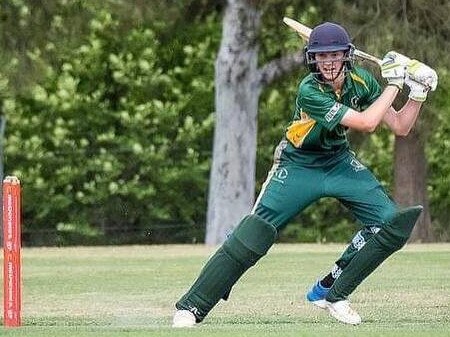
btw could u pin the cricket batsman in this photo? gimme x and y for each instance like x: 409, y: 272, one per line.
x: 313, y: 161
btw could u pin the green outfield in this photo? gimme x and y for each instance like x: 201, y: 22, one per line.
x: 130, y: 291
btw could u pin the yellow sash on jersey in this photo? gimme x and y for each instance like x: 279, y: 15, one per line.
x: 299, y: 129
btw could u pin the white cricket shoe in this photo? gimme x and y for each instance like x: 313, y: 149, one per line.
x: 342, y: 311
x: 183, y: 319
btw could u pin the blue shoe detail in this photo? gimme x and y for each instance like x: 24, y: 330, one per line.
x: 317, y: 292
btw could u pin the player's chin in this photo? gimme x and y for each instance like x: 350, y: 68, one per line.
x: 329, y: 75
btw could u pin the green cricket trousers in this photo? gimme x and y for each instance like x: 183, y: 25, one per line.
x: 291, y: 187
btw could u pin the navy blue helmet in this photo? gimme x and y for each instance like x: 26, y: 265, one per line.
x: 329, y: 37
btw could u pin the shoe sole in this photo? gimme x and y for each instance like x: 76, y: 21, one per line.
x: 183, y: 326
x: 340, y: 318
x: 322, y: 304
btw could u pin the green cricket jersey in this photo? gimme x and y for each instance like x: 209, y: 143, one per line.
x: 315, y: 131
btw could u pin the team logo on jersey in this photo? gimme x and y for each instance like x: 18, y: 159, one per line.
x: 304, y: 116
x: 355, y: 103
x: 332, y: 112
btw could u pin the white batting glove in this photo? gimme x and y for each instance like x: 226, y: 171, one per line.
x: 393, y: 68
x: 417, y: 91
x: 423, y: 74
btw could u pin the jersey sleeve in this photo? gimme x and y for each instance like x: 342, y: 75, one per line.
x: 322, y: 107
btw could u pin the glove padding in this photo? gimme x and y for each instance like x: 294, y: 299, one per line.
x: 393, y: 68
x: 420, y: 79
x: 423, y: 74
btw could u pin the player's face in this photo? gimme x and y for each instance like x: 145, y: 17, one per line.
x: 330, y: 64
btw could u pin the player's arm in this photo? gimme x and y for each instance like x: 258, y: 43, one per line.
x: 368, y: 120
x: 393, y: 69
x: 402, y: 121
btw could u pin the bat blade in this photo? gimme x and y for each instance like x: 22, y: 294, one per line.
x: 301, y: 29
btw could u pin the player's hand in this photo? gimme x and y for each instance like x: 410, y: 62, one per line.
x: 423, y: 74
x: 393, y: 68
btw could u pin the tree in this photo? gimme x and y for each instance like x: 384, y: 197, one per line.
x: 106, y: 142
x: 238, y: 84
x: 410, y: 180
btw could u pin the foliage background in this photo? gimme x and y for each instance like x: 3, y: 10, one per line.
x: 109, y: 108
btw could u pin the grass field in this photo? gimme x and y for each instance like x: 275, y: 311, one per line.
x: 130, y: 291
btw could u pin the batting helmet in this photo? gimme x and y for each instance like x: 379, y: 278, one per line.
x: 328, y: 37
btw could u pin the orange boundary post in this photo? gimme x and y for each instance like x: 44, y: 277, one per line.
x: 12, y: 292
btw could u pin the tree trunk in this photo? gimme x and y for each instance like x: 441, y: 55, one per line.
x: 410, y: 179
x: 232, y: 184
